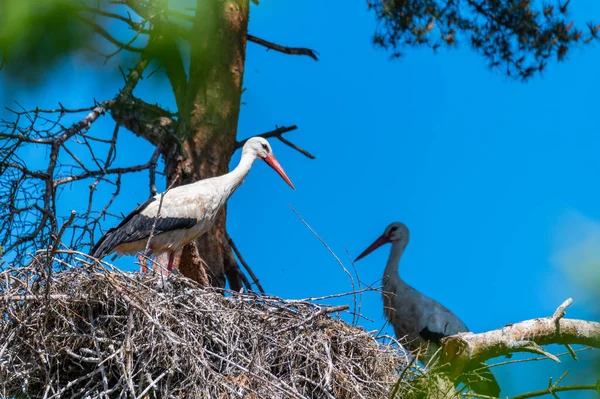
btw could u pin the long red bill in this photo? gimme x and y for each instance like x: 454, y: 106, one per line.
x: 270, y: 159
x: 376, y: 244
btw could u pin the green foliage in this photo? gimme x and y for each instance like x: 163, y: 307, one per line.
x: 36, y: 34
x: 518, y: 37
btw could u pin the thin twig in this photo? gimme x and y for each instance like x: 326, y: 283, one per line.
x: 158, y: 213
x: 320, y: 312
x: 278, y: 133
x: 555, y: 389
x: 332, y: 253
x: 243, y: 262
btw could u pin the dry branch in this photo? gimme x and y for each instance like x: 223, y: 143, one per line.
x: 553, y: 390
x: 262, y: 42
x: 528, y: 336
x: 245, y: 264
x: 278, y: 133
x: 101, y: 330
x: 283, y: 49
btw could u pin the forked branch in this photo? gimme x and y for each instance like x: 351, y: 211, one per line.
x: 465, y: 349
x: 278, y: 133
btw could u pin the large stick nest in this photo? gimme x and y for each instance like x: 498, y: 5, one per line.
x: 98, y: 332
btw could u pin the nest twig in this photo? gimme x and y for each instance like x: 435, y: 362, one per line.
x: 94, y: 331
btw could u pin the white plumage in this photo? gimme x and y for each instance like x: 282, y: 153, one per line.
x: 186, y: 212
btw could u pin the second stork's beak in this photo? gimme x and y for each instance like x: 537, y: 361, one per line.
x: 270, y: 159
x: 376, y: 244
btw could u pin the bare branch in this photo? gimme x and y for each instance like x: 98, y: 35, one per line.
x: 120, y: 171
x: 243, y: 262
x: 104, y: 33
x: 560, y: 311
x: 332, y: 254
x: 526, y: 336
x: 262, y: 42
x: 134, y: 76
x: 137, y: 26
x: 278, y: 133
x: 283, y: 49
x: 553, y: 389
x: 26, y: 139
x: 159, y: 269
x: 54, y: 248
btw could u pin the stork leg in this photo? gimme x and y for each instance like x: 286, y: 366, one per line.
x: 170, y: 264
x: 142, y: 259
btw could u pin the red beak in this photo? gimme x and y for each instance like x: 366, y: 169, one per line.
x: 376, y: 244
x: 270, y: 159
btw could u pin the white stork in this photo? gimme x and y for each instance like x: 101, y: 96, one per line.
x: 186, y: 212
x: 419, y: 320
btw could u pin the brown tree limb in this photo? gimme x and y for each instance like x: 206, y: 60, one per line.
x: 135, y: 74
x: 27, y: 139
x: 144, y: 120
x: 465, y: 349
x: 278, y: 133
x: 283, y: 49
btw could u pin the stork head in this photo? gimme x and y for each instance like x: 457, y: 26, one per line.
x: 395, y: 233
x: 260, y: 148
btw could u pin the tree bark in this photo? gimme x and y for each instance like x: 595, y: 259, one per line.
x: 208, y: 121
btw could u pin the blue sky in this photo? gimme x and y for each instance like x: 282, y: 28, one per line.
x: 496, y: 179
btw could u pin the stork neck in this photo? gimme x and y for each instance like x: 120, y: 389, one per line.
x: 236, y: 177
x: 391, y: 269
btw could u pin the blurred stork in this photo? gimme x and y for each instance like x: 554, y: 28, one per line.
x: 186, y: 212
x: 419, y: 320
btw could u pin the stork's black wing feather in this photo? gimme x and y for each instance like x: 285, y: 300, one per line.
x: 136, y: 227
x: 432, y: 336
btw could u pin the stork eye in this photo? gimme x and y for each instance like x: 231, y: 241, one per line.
x: 264, y: 146
x: 393, y: 229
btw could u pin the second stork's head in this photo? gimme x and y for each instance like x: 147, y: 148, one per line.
x: 395, y: 233
x: 260, y: 148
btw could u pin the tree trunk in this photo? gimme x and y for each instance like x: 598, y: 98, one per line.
x: 208, y: 121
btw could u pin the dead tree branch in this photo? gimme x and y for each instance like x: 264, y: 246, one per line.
x: 464, y: 349
x: 278, y: 133
x: 243, y: 262
x: 554, y: 388
x: 283, y: 49
x: 251, y: 38
x: 105, y: 34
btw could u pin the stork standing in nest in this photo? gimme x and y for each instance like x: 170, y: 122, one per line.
x: 186, y: 212
x: 420, y: 321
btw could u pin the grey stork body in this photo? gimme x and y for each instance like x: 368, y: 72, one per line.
x: 186, y: 211
x: 418, y: 320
